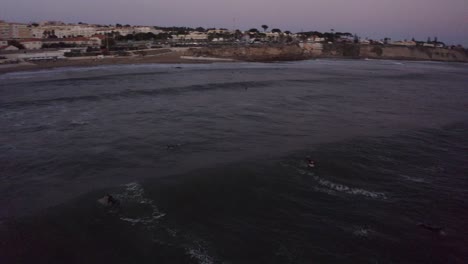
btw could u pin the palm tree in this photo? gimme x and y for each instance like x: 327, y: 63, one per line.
x: 265, y: 27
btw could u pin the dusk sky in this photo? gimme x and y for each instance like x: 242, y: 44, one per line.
x: 398, y: 19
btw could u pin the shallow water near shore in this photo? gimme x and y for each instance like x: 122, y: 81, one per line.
x: 208, y: 163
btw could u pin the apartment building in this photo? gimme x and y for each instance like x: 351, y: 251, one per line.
x: 4, y: 30
x: 19, y: 31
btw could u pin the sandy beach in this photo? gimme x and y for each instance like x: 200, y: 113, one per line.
x: 167, y: 58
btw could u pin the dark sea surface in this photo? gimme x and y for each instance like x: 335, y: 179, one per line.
x: 209, y: 163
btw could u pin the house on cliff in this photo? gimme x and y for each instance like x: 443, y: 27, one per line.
x: 404, y: 43
x: 31, y: 43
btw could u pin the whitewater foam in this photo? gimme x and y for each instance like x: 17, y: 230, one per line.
x: 134, y: 193
x: 199, y: 253
x: 341, y: 187
x: 349, y: 190
x: 413, y: 179
x: 362, y: 232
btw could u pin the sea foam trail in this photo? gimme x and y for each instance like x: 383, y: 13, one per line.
x: 199, y: 253
x: 134, y: 195
x: 343, y: 188
x: 149, y: 212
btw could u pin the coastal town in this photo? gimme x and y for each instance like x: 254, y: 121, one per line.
x: 55, y: 40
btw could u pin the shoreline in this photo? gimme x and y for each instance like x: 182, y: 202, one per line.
x: 170, y: 58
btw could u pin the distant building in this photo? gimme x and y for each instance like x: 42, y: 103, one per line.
x: 78, y: 41
x: 63, y: 31
x: 364, y: 42
x: 122, y: 31
x: 19, y: 31
x: 404, y: 43
x: 51, y: 23
x: 3, y: 43
x: 4, y: 30
x: 147, y: 30
x: 218, y: 31
x: 430, y: 45
x: 195, y: 35
x: 8, y: 48
x: 97, y: 40
x: 32, y: 43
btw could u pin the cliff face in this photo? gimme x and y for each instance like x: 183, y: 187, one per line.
x: 252, y: 53
x: 413, y: 53
x: 295, y: 52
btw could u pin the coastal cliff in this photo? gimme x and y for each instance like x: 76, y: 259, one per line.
x: 265, y: 53
x: 413, y: 53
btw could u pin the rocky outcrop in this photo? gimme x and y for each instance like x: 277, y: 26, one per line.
x: 262, y: 53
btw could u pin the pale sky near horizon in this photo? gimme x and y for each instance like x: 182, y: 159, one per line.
x: 398, y: 19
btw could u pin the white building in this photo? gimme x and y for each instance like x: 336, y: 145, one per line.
x: 195, y: 35
x: 404, y: 43
x: 4, y: 30
x: 218, y: 31
x: 19, y: 31
x: 31, y: 44
x: 3, y: 43
x: 75, y: 31
x: 63, y: 31
x: 364, y: 41
x: 124, y: 31
x: 147, y: 30
x: 37, y: 32
x: 79, y: 41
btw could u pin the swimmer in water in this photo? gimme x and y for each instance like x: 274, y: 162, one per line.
x: 310, y: 163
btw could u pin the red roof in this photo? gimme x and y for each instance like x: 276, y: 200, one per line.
x: 100, y: 36
x: 66, y: 39
x: 76, y: 39
x: 30, y: 40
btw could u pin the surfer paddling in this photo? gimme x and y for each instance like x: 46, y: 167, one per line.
x: 110, y: 201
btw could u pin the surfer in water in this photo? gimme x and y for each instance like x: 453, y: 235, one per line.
x: 436, y: 229
x: 310, y: 163
x: 173, y: 146
x: 110, y: 201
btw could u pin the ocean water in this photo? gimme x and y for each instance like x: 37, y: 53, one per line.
x: 209, y: 163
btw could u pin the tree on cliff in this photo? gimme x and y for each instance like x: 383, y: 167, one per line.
x: 265, y: 27
x: 238, y: 34
x: 276, y: 30
x: 356, y: 39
